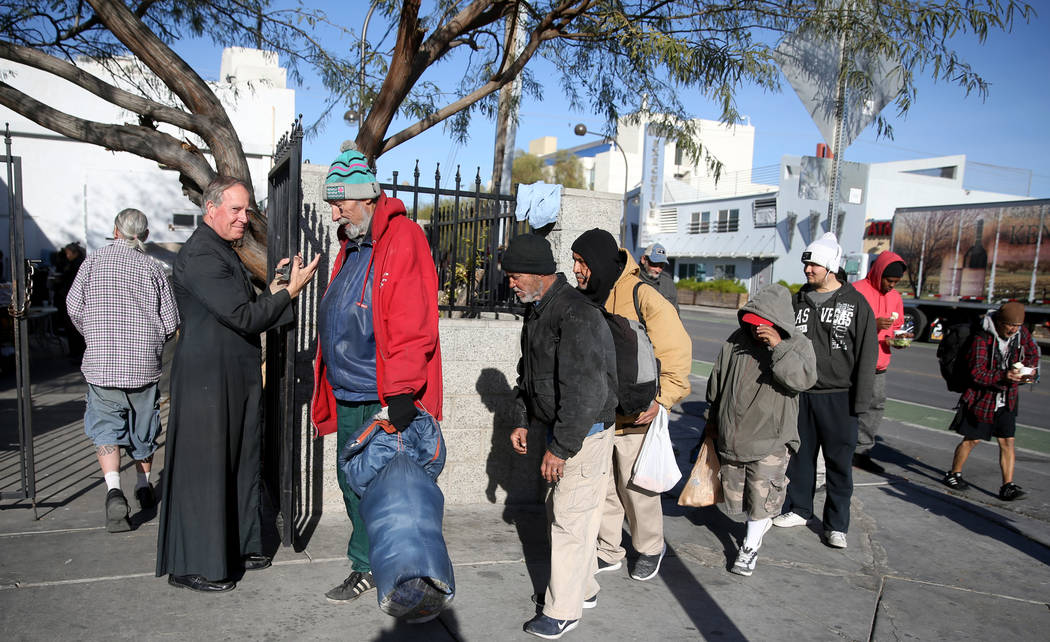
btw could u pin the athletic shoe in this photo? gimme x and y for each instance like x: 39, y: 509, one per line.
x: 1011, y: 491
x: 146, y: 497
x: 647, y: 566
x: 548, y: 628
x: 745, y: 561
x: 789, y: 520
x: 591, y: 602
x: 352, y: 587
x: 955, y: 481
x: 865, y: 462
x: 608, y: 566
x: 835, y: 539
x: 117, y: 512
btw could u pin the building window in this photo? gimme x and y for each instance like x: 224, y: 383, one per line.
x: 765, y: 212
x: 691, y: 271
x: 725, y: 271
x: 185, y: 221
x: 728, y: 221
x: 700, y: 223
x: 668, y: 222
x: 679, y: 155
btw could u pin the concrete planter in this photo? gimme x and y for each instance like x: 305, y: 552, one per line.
x: 732, y: 300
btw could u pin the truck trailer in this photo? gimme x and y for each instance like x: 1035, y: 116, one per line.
x: 966, y: 259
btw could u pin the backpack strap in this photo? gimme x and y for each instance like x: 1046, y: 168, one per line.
x: 637, y: 308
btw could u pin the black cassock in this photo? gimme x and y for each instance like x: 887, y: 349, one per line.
x: 209, y: 511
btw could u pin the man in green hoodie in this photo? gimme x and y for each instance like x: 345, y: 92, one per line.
x: 752, y: 397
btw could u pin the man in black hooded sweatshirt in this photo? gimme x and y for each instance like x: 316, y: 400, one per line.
x: 841, y: 325
x: 609, y: 277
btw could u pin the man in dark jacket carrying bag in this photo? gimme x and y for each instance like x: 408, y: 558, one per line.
x: 567, y: 387
x: 841, y: 326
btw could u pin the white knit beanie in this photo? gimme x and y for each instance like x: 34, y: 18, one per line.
x: 824, y: 252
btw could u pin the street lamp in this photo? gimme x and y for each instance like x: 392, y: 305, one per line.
x: 581, y: 130
x: 359, y: 114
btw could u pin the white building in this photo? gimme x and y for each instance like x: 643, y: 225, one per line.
x: 73, y: 190
x: 758, y: 237
x: 616, y: 165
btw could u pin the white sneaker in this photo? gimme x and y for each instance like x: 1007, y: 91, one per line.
x: 835, y: 539
x: 787, y: 520
x: 745, y: 562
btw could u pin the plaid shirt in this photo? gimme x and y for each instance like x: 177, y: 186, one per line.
x: 988, y: 369
x: 121, y: 301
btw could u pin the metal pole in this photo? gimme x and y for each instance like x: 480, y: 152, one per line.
x: 836, y: 145
x: 1038, y: 245
x: 361, y: 78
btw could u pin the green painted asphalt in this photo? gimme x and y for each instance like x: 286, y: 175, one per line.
x: 907, y: 412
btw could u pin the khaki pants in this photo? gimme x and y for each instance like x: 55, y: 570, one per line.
x: 642, y: 508
x: 574, y: 510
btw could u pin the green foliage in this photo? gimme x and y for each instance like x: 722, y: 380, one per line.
x: 715, y: 285
x: 793, y: 287
x: 527, y: 169
x: 568, y: 171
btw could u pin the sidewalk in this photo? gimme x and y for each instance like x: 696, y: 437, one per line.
x: 921, y: 564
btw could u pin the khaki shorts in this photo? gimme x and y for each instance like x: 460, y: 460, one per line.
x: 762, y: 482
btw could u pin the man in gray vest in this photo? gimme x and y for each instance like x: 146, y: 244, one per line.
x: 654, y: 266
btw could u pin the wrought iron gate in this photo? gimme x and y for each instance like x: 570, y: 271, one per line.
x: 21, y: 279
x: 284, y: 203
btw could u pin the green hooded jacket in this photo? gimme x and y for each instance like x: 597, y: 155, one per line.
x: 753, y: 390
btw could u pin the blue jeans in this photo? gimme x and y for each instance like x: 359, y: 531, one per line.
x: 128, y: 417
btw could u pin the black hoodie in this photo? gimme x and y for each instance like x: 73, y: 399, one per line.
x: 601, y: 253
x: 842, y: 330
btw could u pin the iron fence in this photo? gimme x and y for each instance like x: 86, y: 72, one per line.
x: 468, y: 231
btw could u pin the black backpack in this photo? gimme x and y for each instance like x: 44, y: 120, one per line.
x: 637, y: 368
x: 951, y: 355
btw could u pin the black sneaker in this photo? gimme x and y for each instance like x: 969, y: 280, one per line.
x: 955, y: 481
x: 1010, y: 492
x: 865, y: 462
x: 352, y: 587
x: 647, y: 566
x: 548, y: 628
x: 146, y: 497
x: 608, y: 566
x: 117, y: 512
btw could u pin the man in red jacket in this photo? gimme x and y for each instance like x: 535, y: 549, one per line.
x: 885, y: 302
x: 377, y: 330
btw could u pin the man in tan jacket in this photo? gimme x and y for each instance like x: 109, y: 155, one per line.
x: 608, y: 275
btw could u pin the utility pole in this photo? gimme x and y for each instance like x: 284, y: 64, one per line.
x: 507, y: 113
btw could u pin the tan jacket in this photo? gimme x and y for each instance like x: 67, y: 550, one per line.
x: 671, y: 342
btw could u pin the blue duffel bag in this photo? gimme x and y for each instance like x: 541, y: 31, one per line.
x: 402, y: 507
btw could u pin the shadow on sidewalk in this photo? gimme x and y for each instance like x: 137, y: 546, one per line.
x: 970, y: 516
x: 886, y: 453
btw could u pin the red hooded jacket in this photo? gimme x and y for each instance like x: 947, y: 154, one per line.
x: 883, y: 305
x: 404, y: 317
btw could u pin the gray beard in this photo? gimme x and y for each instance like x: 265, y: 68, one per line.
x: 356, y: 232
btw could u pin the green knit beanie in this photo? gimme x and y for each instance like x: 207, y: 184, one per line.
x: 349, y: 178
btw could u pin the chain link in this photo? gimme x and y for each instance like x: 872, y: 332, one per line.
x: 12, y: 309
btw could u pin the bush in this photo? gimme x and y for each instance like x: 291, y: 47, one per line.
x: 717, y: 285
x: 793, y: 287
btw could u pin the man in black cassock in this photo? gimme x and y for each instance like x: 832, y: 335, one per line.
x: 209, y: 514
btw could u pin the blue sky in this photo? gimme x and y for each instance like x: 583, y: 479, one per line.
x: 1009, y: 128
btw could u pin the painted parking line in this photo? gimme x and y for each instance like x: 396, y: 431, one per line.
x: 909, y: 412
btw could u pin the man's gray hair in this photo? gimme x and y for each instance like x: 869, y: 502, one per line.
x: 213, y: 192
x: 133, y: 227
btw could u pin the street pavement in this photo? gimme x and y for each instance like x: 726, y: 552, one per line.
x: 923, y: 562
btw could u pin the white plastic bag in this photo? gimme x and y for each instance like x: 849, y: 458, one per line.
x: 656, y: 469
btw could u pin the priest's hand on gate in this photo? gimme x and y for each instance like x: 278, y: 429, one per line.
x: 301, y: 274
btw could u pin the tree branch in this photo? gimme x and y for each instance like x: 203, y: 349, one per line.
x: 142, y: 106
x: 141, y: 141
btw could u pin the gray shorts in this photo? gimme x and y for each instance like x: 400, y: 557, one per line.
x: 128, y: 417
x: 762, y: 483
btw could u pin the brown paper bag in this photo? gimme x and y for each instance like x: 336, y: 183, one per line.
x: 703, y: 488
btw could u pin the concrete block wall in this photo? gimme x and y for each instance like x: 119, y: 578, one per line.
x: 479, y: 360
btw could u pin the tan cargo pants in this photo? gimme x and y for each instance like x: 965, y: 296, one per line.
x: 642, y: 508
x: 574, y: 511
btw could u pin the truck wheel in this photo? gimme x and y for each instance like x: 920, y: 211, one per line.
x: 918, y: 320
